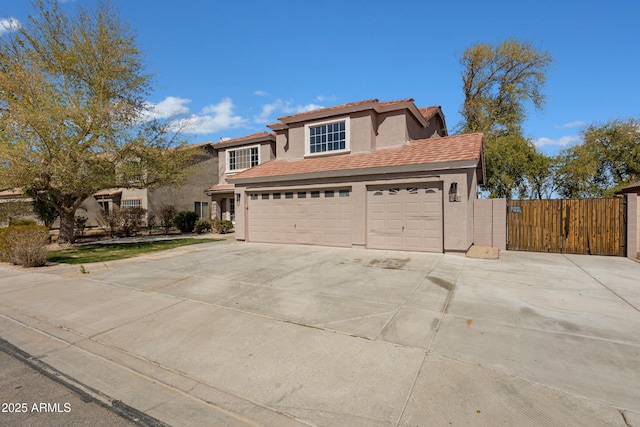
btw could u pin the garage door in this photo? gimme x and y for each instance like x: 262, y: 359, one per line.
x: 318, y: 217
x: 405, y: 218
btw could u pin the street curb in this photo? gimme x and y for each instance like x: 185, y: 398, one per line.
x: 84, y: 392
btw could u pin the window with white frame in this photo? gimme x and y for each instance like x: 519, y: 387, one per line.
x: 201, y: 209
x: 131, y: 203
x: 239, y: 159
x: 327, y: 137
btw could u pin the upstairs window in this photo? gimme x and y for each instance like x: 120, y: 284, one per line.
x: 239, y: 159
x: 327, y: 137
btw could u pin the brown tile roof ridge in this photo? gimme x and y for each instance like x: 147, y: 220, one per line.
x: 631, y: 188
x: 256, y: 135
x: 423, y: 151
x: 335, y: 107
x: 428, y: 112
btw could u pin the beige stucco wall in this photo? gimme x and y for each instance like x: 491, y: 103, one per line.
x: 201, y: 176
x: 457, y: 227
x: 368, y: 131
x: 267, y: 152
x: 490, y: 223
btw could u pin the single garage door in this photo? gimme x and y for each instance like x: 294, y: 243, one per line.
x: 407, y: 217
x: 317, y: 217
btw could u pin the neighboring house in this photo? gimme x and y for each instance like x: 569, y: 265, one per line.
x: 237, y: 155
x: 187, y: 197
x: 380, y: 175
x: 14, y: 205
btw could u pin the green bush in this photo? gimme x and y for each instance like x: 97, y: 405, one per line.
x: 202, y: 226
x: 24, y: 245
x: 185, y: 221
x: 79, y: 225
x: 22, y: 221
x: 167, y: 216
x: 222, y: 226
x: 131, y: 220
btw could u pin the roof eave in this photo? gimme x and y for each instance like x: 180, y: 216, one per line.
x: 423, y: 167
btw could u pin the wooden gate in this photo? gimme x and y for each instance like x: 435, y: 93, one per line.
x: 584, y: 226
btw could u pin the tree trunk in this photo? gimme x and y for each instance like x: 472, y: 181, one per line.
x: 67, y: 219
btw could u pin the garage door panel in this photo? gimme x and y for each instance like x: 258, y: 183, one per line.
x: 405, y: 218
x: 310, y: 219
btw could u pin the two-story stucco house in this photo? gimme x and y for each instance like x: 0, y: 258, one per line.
x: 185, y: 197
x: 380, y: 175
x: 237, y: 155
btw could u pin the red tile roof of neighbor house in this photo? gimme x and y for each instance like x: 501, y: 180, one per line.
x: 220, y: 188
x: 631, y: 188
x: 422, y: 151
x: 253, y: 136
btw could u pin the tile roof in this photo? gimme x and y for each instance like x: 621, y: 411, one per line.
x: 247, y: 137
x: 108, y: 192
x: 631, y: 188
x: 428, y: 112
x: 336, y: 107
x: 422, y: 151
x: 220, y: 188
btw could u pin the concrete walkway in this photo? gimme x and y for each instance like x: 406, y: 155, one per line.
x: 255, y: 334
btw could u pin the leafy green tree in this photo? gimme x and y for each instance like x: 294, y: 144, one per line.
x: 73, y: 115
x: 498, y: 82
x: 541, y: 173
x: 508, y: 170
x: 43, y: 210
x: 607, y: 159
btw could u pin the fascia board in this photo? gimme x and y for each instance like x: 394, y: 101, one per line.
x: 425, y: 167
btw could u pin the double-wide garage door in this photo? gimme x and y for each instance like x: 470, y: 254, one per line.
x: 407, y: 217
x: 317, y: 217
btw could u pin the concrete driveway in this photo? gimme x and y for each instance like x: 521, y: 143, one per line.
x: 245, y: 334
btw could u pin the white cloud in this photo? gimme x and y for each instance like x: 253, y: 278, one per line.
x: 171, y: 106
x: 308, y: 107
x: 564, y: 141
x: 260, y: 93
x: 213, y: 118
x: 8, y: 24
x: 280, y: 107
x: 574, y: 124
x: 322, y: 98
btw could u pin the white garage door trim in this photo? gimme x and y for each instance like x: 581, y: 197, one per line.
x: 405, y: 217
x: 309, y: 216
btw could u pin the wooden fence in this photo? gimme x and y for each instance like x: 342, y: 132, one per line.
x: 585, y: 226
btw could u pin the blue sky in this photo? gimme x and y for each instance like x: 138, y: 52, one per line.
x: 228, y: 68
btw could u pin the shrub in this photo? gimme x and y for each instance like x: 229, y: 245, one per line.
x: 123, y: 221
x: 109, y: 221
x: 23, y: 221
x: 167, y: 216
x: 222, y: 226
x: 185, y: 221
x: 203, y: 226
x: 131, y: 220
x: 151, y: 222
x: 24, y: 245
x: 79, y: 224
